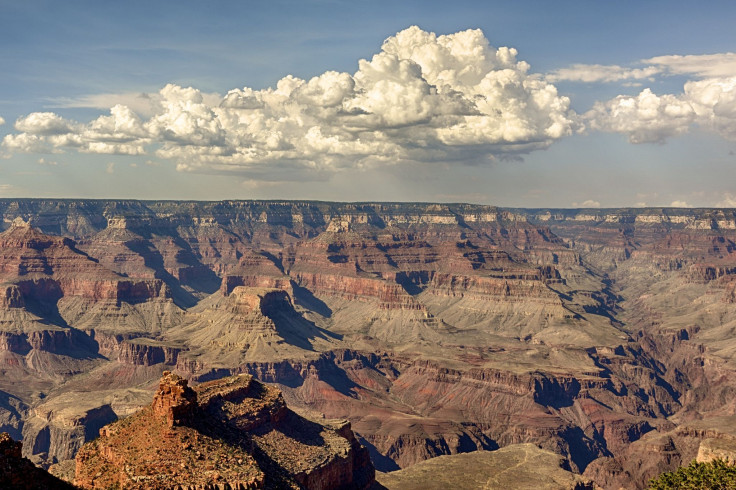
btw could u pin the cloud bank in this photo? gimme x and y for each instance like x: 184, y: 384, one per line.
x: 708, y: 101
x: 648, y: 118
x: 422, y: 98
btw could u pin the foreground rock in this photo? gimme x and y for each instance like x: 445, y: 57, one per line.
x: 17, y: 472
x: 515, y: 466
x: 233, y: 433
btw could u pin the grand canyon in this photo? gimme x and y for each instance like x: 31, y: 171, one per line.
x: 598, y: 342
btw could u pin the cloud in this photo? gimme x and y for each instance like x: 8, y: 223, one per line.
x: 714, y: 102
x: 44, y: 124
x: 708, y: 100
x: 680, y: 204
x: 43, y: 161
x: 649, y: 118
x: 646, y: 118
x: 714, y: 65
x: 2, y: 121
x: 728, y: 201
x: 422, y: 98
x: 110, y: 168
x: 704, y: 65
x: 120, y: 133
x: 601, y: 73
x: 587, y: 204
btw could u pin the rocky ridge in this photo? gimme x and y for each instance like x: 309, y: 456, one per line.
x: 231, y: 433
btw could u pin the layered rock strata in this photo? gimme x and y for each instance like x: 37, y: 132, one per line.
x: 602, y: 335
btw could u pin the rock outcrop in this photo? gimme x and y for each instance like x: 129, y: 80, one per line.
x: 231, y: 433
x: 18, y: 473
x: 713, y: 448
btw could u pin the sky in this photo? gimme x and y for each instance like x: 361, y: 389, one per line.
x: 530, y: 103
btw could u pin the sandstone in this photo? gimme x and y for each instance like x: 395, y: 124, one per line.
x: 713, y: 448
x: 602, y: 335
x: 174, y: 400
x: 230, y: 433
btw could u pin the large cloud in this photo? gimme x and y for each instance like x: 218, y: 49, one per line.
x: 422, y: 98
x: 709, y: 100
x: 647, y: 117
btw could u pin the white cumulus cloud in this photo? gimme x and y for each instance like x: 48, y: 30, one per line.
x: 646, y: 118
x: 650, y: 118
x: 707, y: 100
x: 714, y: 102
x: 421, y: 98
x: 680, y: 204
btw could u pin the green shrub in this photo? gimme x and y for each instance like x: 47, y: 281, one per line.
x: 717, y: 474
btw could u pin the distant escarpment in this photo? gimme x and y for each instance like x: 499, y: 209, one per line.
x: 230, y: 433
x: 602, y: 335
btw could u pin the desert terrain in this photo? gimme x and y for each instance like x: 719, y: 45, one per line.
x: 597, y: 342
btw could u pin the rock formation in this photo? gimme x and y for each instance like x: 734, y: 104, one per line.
x: 18, y: 473
x: 604, y: 336
x: 231, y: 433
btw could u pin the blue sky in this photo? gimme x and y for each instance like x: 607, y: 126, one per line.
x: 604, y: 103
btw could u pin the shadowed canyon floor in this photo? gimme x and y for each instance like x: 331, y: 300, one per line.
x: 602, y: 336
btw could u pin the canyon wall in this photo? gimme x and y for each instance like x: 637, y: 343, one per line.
x: 604, y: 336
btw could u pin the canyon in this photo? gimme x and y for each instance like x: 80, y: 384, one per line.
x: 602, y: 338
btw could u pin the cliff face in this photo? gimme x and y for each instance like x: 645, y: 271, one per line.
x: 600, y: 335
x: 233, y: 432
x: 46, y: 268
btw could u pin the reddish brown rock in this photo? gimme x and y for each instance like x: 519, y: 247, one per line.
x: 589, y: 332
x: 174, y: 400
x: 233, y: 432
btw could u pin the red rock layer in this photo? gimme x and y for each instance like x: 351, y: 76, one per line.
x: 233, y: 432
